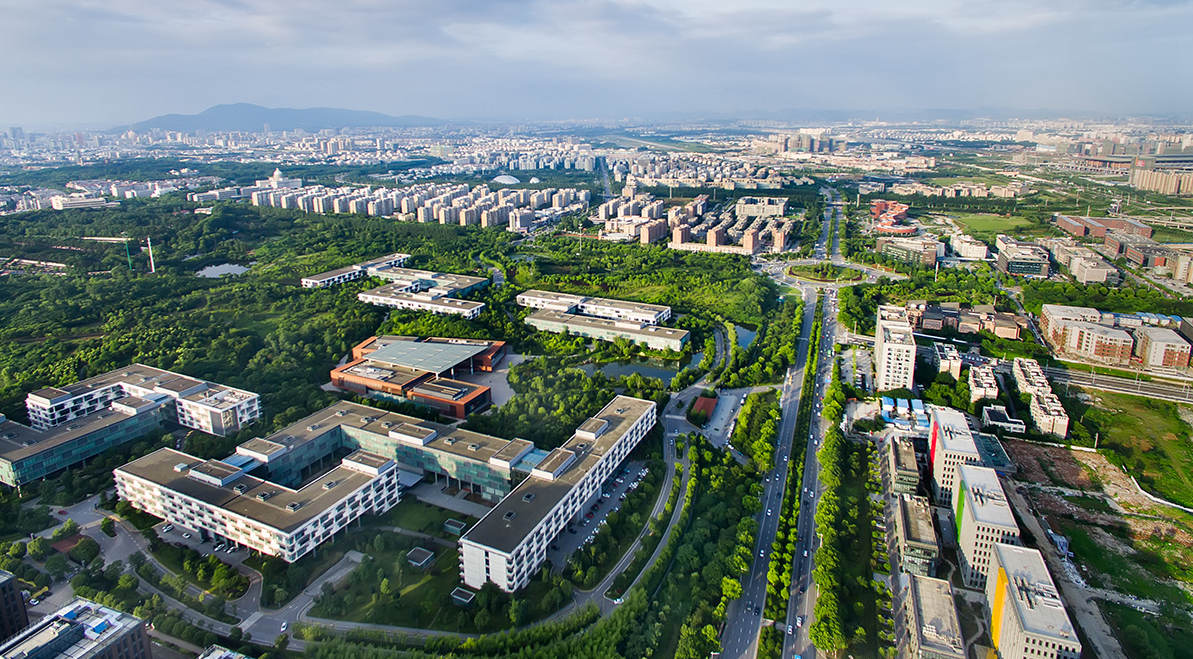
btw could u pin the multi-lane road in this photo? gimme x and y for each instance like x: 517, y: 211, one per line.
x: 744, y: 619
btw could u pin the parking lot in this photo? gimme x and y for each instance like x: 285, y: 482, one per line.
x: 178, y: 536
x: 579, y: 531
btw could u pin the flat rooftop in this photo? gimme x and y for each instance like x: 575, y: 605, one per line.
x: 903, y: 455
x: 915, y: 521
x: 395, y: 292
x: 406, y: 276
x: 100, y: 626
x: 984, y: 496
x: 897, y: 334
x: 1037, y: 602
x: 18, y: 441
x: 606, y: 324
x: 353, y: 417
x: 553, y: 296
x: 505, y: 526
x: 953, y: 433
x: 262, y: 501
x: 332, y: 273
x: 399, y: 376
x: 993, y: 453
x: 212, y: 395
x: 935, y: 616
x: 433, y: 356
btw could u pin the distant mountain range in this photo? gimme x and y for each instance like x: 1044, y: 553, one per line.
x: 249, y: 117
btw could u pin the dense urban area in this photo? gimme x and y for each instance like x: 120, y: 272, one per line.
x: 728, y: 389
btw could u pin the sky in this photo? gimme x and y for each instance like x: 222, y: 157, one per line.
x: 97, y: 63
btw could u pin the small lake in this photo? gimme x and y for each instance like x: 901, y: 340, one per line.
x: 648, y: 369
x: 221, y: 270
x: 744, y: 336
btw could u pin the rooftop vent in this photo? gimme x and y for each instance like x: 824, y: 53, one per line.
x: 265, y: 496
x: 474, y: 447
x: 450, y: 441
x: 181, y: 467
x: 293, y: 505
x: 509, y: 515
x: 528, y: 497
x: 341, y: 412
x: 387, y: 425
x: 240, y: 488
x: 330, y: 484
x: 311, y: 427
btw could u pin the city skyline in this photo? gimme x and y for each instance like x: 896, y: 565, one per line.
x: 549, y: 61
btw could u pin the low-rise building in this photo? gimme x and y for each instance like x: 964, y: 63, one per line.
x: 915, y: 536
x: 996, y: 416
x: 983, y: 517
x: 81, y: 630
x: 982, y: 383
x: 966, y: 247
x: 422, y: 290
x: 421, y: 370
x: 921, y: 250
x: 1022, y: 258
x: 929, y: 622
x: 1163, y: 347
x: 1028, y: 619
x: 600, y: 307
x: 212, y: 408
x: 507, y: 546
x: 947, y: 359
x: 354, y: 271
x: 655, y: 337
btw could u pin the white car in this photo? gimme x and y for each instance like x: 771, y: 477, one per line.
x: 285, y: 626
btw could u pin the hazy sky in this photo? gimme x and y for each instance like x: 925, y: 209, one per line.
x: 102, y: 62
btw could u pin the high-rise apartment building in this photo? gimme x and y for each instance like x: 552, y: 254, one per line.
x: 894, y: 349
x: 928, y: 621
x: 13, y: 616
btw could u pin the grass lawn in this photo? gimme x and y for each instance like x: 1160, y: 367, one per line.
x: 1170, y: 235
x: 825, y: 272
x: 1148, y: 437
x: 416, y: 515
x: 981, y: 224
x: 416, y: 598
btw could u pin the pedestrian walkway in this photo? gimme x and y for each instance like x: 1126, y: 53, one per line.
x: 433, y: 494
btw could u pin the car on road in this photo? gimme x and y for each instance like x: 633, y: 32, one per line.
x: 790, y: 630
x: 34, y: 602
x: 761, y: 553
x: 186, y: 535
x: 799, y: 621
x: 805, y: 553
x: 285, y: 626
x: 768, y: 512
x: 167, y: 528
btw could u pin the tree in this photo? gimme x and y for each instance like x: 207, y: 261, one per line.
x: 38, y: 548
x: 108, y: 526
x: 70, y: 528
x: 517, y: 612
x: 17, y: 550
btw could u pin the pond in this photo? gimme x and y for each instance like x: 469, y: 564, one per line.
x: 744, y: 336
x: 215, y: 271
x: 664, y: 370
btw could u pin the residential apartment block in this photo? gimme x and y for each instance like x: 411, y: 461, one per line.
x: 1162, y: 347
x: 81, y: 630
x: 422, y: 290
x: 1046, y: 409
x: 507, y: 546
x: 1098, y: 227
x: 915, y: 536
x: 1081, y: 332
x: 928, y: 622
x: 969, y: 248
x: 421, y: 371
x: 950, y: 444
x: 894, y: 350
x: 982, y: 383
x: 983, y: 517
x: 1028, y: 619
x: 947, y: 359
